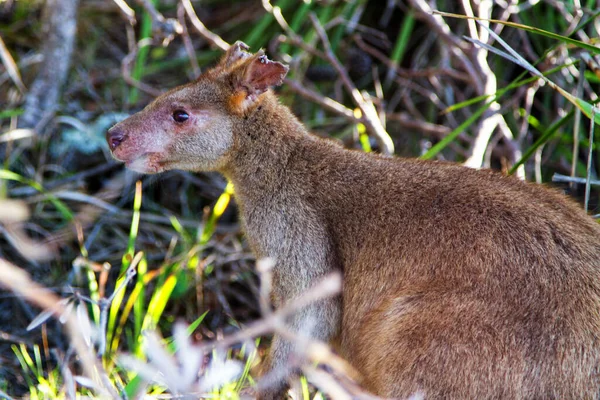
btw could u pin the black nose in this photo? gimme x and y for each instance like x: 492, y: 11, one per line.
x: 114, y: 137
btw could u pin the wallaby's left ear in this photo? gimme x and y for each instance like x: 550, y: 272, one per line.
x: 260, y: 74
x: 251, y: 78
x: 238, y: 51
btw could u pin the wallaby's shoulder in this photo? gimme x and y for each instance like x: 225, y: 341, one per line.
x: 428, y: 184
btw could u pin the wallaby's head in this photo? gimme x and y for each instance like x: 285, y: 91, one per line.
x: 191, y: 127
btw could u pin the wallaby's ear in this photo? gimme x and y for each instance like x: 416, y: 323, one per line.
x: 237, y: 51
x: 261, y: 73
x: 252, y: 77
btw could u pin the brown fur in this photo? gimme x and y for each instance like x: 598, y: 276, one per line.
x: 457, y: 283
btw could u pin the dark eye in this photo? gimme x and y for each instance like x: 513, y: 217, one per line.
x: 180, y: 116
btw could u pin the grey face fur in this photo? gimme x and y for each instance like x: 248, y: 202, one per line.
x: 152, y: 141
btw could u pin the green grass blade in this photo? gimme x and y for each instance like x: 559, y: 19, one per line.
x: 194, y: 325
x: 15, y: 112
x: 142, y: 55
x: 401, y: 44
x: 459, y: 129
x: 216, y: 213
x: 60, y: 206
x: 126, y: 261
x: 538, y: 31
x: 518, y: 82
x: 546, y: 135
x: 158, y: 302
x: 138, y: 298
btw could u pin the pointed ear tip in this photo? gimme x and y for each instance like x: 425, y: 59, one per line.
x: 241, y: 45
x: 286, y: 69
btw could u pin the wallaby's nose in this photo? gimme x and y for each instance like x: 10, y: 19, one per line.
x: 114, y: 137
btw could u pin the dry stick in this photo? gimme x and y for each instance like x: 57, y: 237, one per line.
x: 577, y: 124
x: 134, y: 47
x: 127, y: 11
x: 297, y: 41
x: 470, y: 23
x: 457, y: 47
x: 294, y: 39
x: 329, y: 286
x: 157, y: 18
x: 167, y: 28
x: 213, y: 38
x: 187, y: 42
x: 125, y: 71
x: 88, y: 214
x: 309, y: 349
x: 439, y: 131
x: 59, y: 29
x: 276, y: 12
x: 19, y: 282
x: 23, y: 63
x: 589, y: 160
x: 573, y: 179
x: 314, y: 96
x: 421, y: 73
x: 325, y: 102
x: 326, y: 383
x: 11, y: 67
x: 370, y: 117
x: 265, y: 271
x: 491, y: 118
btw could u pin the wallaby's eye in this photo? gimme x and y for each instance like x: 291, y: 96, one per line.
x: 180, y: 116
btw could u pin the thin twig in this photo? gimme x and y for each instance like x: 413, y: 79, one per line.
x: 127, y: 11
x: 164, y: 29
x: 589, y: 160
x: 577, y: 124
x: 369, y: 113
x: 125, y: 71
x: 574, y: 179
x: 11, y: 67
x: 321, y: 100
x: 456, y: 46
x: 328, y: 287
x: 212, y: 38
x: 187, y: 42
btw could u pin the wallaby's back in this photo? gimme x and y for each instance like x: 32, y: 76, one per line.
x: 457, y: 282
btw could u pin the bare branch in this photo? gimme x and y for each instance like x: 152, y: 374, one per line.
x: 187, y: 42
x: 126, y: 72
x: 369, y: 113
x: 212, y: 38
x: 60, y: 21
x: 325, y: 102
x: 329, y: 286
x: 11, y: 67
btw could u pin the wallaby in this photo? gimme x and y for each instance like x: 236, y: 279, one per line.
x: 457, y: 283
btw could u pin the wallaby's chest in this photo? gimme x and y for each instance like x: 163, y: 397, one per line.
x: 290, y: 231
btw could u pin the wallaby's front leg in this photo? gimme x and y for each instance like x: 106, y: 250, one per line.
x: 319, y: 321
x: 301, y: 247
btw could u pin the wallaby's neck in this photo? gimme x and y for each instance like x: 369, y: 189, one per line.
x: 264, y: 142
